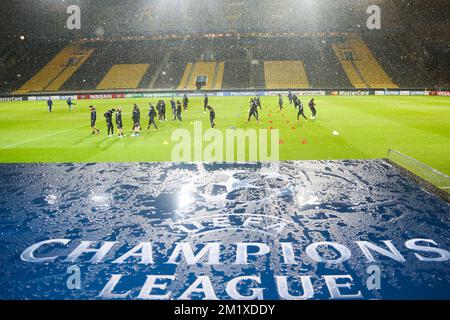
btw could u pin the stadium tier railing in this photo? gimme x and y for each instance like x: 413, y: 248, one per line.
x: 429, y: 174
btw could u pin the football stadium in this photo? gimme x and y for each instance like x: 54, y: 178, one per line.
x: 225, y: 150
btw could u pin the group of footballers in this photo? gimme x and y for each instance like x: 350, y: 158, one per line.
x: 255, y: 104
x: 298, y: 105
x: 177, y: 108
x: 69, y: 102
x: 159, y: 112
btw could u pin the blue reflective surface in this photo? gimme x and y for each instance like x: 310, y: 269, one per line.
x: 299, y: 202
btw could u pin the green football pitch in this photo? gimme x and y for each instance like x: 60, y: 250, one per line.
x: 368, y: 126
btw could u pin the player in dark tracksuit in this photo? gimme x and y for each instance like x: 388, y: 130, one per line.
x: 312, y: 107
x: 301, y: 112
x: 49, y: 104
x: 295, y: 100
x: 280, y: 101
x: 174, y: 109
x: 253, y: 102
x: 151, y: 117
x: 205, y: 102
x: 95, y: 130
x: 185, y: 102
x: 70, y: 103
x: 212, y: 116
x: 119, y: 122
x: 109, y: 123
x: 258, y: 101
x: 163, y: 111
x: 136, y: 121
x: 179, y: 110
x: 253, y: 111
x: 290, y: 97
x: 158, y: 109
x: 135, y: 107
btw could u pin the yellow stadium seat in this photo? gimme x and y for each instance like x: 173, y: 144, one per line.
x: 363, y: 70
x: 213, y: 71
x: 123, y: 76
x: 285, y: 75
x: 53, y: 76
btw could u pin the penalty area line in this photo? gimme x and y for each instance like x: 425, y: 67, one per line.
x: 39, y: 138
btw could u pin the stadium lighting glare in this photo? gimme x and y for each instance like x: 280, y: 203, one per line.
x: 184, y: 200
x: 186, y: 197
x: 100, y: 200
x: 51, y: 199
x: 304, y: 197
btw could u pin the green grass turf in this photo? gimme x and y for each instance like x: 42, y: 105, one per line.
x: 368, y: 126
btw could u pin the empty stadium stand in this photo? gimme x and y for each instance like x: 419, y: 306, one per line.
x: 410, y: 51
x: 89, y: 75
x: 20, y: 60
x: 236, y: 75
x: 123, y: 76
x: 58, y: 70
x: 317, y: 55
x: 257, y: 78
x: 213, y: 71
x: 285, y: 75
x: 361, y: 67
x: 396, y: 60
x: 334, y: 61
x: 173, y: 68
x: 218, y: 75
x: 322, y: 66
x: 108, y: 54
x: 186, y: 75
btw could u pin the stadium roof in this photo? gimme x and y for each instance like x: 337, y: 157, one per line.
x: 47, y: 18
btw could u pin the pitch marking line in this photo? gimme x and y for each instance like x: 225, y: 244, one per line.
x: 41, y: 137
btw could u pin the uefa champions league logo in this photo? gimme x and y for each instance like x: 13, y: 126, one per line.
x: 235, y: 233
x: 248, y: 223
x: 244, y: 256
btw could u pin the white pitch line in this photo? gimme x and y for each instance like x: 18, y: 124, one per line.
x: 41, y: 137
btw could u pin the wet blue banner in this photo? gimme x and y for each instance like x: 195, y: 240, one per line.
x: 289, y: 230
